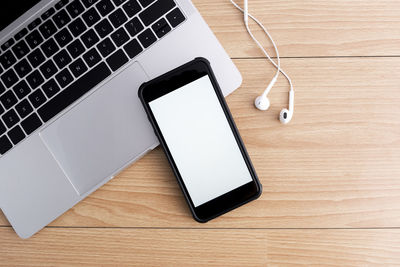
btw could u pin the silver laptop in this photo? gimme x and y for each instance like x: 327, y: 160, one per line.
x: 70, y: 118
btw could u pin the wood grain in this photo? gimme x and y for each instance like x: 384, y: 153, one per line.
x: 331, y: 177
x: 185, y: 247
x: 335, y: 165
x: 309, y: 28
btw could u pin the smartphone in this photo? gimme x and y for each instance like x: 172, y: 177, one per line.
x: 199, y: 137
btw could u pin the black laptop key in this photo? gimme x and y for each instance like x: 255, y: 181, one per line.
x: 48, y: 13
x: 133, y: 48
x: 48, y: 69
x: 76, y: 48
x: 21, y: 34
x: 63, y: 37
x: 21, y: 89
x: 131, y: 8
x: 163, y: 31
x: 23, y: 68
x: 92, y: 57
x: 36, y: 58
x: 145, y: 3
x: 51, y: 88
x: 118, y: 18
x: 77, y: 27
x: 75, y: 8
x: 147, y: 38
x: 8, y: 99
x: 91, y: 17
x: 20, y: 49
x: 10, y: 118
x: 24, y: 108
x: 16, y: 135
x: 105, y: 7
x: 90, y: 38
x: 103, y: 28
x: 7, y: 59
x: 61, y: 4
x: 120, y: 37
x: 161, y: 27
x: 117, y: 60
x: 155, y: 11
x: 74, y: 92
x: 106, y: 47
x: 47, y: 29
x: 118, y: 2
x: 158, y: 25
x: 62, y: 59
x: 64, y: 78
x: 5, y: 145
x: 49, y: 47
x: 37, y: 98
x: 7, y: 44
x: 2, y: 89
x: 9, y: 78
x: 78, y: 67
x: 175, y: 17
x: 35, y: 79
x: 88, y: 3
x: 3, y: 128
x: 61, y: 18
x: 31, y: 123
x: 34, y: 39
x: 34, y: 24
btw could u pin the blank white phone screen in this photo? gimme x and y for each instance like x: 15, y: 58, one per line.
x: 201, y: 141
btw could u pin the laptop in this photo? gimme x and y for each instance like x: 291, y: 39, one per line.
x: 70, y: 118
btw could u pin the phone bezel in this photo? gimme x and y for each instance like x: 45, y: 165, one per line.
x: 174, y: 80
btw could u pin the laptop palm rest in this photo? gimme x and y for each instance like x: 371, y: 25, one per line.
x: 95, y: 139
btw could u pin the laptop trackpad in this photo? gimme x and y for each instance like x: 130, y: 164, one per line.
x: 103, y: 133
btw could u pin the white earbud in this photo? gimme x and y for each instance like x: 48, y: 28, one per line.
x: 286, y: 114
x: 262, y: 102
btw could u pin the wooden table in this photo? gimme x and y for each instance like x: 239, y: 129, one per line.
x: 331, y: 177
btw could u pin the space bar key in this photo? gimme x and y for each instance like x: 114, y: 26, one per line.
x: 73, y: 92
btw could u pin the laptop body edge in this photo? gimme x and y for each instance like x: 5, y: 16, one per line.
x: 38, y: 174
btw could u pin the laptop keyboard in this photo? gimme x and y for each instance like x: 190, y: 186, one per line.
x: 68, y: 50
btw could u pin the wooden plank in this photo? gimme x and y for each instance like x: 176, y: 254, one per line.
x: 184, y: 247
x: 309, y: 28
x: 335, y: 165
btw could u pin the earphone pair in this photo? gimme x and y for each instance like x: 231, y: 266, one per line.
x: 262, y: 102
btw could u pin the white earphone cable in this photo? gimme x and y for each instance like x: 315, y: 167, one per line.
x: 277, y: 65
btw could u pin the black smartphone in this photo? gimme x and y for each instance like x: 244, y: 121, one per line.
x: 199, y: 137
